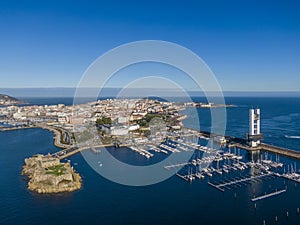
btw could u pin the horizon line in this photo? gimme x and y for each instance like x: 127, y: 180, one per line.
x: 242, y: 91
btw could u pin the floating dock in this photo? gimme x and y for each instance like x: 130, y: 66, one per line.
x: 182, y: 176
x: 268, y: 195
x: 176, y: 165
x: 216, y: 186
x: 238, y: 181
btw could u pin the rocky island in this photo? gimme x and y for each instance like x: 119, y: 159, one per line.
x: 6, y: 100
x: 48, y: 175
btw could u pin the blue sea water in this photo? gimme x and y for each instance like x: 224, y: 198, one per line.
x: 173, y: 201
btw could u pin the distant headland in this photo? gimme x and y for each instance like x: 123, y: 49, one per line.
x: 6, y: 100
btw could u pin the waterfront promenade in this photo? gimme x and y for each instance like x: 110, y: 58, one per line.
x: 67, y: 150
x: 231, y: 141
x: 55, y: 130
x: 57, y: 135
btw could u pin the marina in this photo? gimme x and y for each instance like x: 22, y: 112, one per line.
x: 141, y: 151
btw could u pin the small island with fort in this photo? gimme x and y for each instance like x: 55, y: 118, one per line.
x: 48, y: 175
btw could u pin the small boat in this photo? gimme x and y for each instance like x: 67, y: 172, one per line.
x: 219, y: 172
x: 209, y: 174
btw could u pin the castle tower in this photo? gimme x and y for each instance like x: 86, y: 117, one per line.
x: 254, y: 135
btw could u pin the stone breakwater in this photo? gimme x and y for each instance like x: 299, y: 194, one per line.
x: 48, y: 175
x: 57, y: 135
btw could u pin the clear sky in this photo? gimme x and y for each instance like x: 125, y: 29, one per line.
x: 51, y: 43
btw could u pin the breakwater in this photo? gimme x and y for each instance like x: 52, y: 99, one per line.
x: 242, y: 143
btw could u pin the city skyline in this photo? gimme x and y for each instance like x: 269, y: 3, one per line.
x: 250, y: 46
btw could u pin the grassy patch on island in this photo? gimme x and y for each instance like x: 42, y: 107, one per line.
x: 56, y: 170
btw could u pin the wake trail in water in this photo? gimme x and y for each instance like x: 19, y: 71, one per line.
x: 292, y: 136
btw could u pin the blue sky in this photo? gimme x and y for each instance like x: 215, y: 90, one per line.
x: 249, y: 45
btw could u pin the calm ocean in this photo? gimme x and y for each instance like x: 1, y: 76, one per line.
x: 173, y: 201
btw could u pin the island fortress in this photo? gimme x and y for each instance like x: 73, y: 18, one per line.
x: 48, y: 175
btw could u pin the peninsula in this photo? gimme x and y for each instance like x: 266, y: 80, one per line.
x: 6, y: 100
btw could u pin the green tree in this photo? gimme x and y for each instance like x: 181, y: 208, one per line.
x: 103, y: 120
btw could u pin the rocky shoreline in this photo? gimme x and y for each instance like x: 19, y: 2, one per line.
x: 48, y: 175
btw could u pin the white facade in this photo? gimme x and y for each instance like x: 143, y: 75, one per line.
x: 134, y: 127
x: 118, y: 131
x: 18, y: 115
x: 123, y: 119
x: 254, y: 125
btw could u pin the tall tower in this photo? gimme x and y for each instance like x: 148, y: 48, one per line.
x: 254, y: 135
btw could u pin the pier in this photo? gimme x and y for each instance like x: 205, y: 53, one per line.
x: 242, y: 144
x: 184, y: 177
x: 280, y: 151
x: 188, y: 178
x: 168, y: 167
x: 265, y: 147
x: 228, y: 183
x: 268, y: 195
x: 215, y: 186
